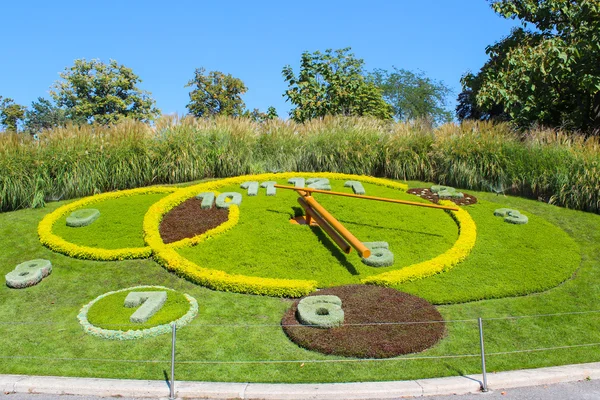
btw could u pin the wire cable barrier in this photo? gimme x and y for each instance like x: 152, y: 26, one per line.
x: 481, y: 354
x: 366, y: 324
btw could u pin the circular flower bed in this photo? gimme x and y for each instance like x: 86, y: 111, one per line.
x: 378, y: 323
x: 165, y: 233
x: 167, y: 255
x: 129, y: 334
x: 426, y: 193
x: 60, y: 245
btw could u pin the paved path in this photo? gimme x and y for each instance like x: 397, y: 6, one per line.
x: 581, y: 390
x: 572, y: 383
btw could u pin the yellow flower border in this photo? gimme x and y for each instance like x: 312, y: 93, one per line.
x: 60, y: 245
x: 167, y: 256
x: 458, y: 252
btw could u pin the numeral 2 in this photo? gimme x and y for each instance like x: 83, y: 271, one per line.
x: 319, y: 183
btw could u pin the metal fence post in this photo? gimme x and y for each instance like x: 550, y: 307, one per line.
x: 484, y: 387
x: 172, y: 391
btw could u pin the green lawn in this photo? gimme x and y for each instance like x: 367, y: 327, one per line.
x: 119, y: 224
x: 507, y: 260
x: 39, y: 332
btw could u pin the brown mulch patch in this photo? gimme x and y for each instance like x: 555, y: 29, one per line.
x: 367, y: 304
x: 188, y: 220
x: 433, y: 197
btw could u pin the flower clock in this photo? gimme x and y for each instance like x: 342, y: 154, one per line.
x: 284, y: 235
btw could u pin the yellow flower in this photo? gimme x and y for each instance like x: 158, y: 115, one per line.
x: 60, y: 245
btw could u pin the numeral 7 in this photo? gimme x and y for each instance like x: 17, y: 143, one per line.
x: 150, y: 303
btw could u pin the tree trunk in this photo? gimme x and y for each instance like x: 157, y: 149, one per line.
x: 595, y: 116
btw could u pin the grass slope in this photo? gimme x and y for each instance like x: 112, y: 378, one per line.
x: 39, y: 332
x: 507, y: 260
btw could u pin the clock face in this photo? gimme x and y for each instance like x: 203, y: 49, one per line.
x: 264, y: 243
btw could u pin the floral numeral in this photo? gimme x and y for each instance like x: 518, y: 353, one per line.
x: 252, y: 187
x: 207, y: 198
x: 148, y: 302
x: 319, y: 183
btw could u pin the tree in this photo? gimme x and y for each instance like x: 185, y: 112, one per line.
x: 413, y: 95
x: 93, y: 91
x: 545, y: 71
x: 215, y: 94
x: 332, y: 83
x: 272, y: 113
x: 467, y: 107
x: 257, y: 116
x: 44, y: 115
x: 10, y: 114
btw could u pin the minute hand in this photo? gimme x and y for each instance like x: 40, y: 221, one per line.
x: 360, y: 196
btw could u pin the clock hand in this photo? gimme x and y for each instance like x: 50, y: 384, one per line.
x: 323, y: 224
x: 334, y: 224
x: 338, y: 233
x: 308, y: 191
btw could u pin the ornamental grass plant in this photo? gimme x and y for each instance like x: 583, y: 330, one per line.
x: 76, y: 161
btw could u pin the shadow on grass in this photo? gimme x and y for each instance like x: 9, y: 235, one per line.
x: 410, y: 231
x: 298, y: 211
x: 334, y: 249
x: 324, y: 239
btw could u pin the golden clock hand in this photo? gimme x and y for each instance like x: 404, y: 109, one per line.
x: 308, y: 191
x: 323, y: 224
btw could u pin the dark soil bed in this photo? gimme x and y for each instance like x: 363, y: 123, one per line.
x: 379, y: 308
x: 433, y: 197
x: 188, y: 220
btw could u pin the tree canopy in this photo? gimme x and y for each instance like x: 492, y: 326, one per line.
x: 257, y: 116
x: 546, y: 71
x: 332, y: 83
x: 216, y: 93
x: 43, y: 114
x: 10, y: 114
x: 413, y: 95
x: 93, y: 91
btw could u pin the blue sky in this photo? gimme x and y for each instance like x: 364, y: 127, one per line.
x: 164, y: 42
